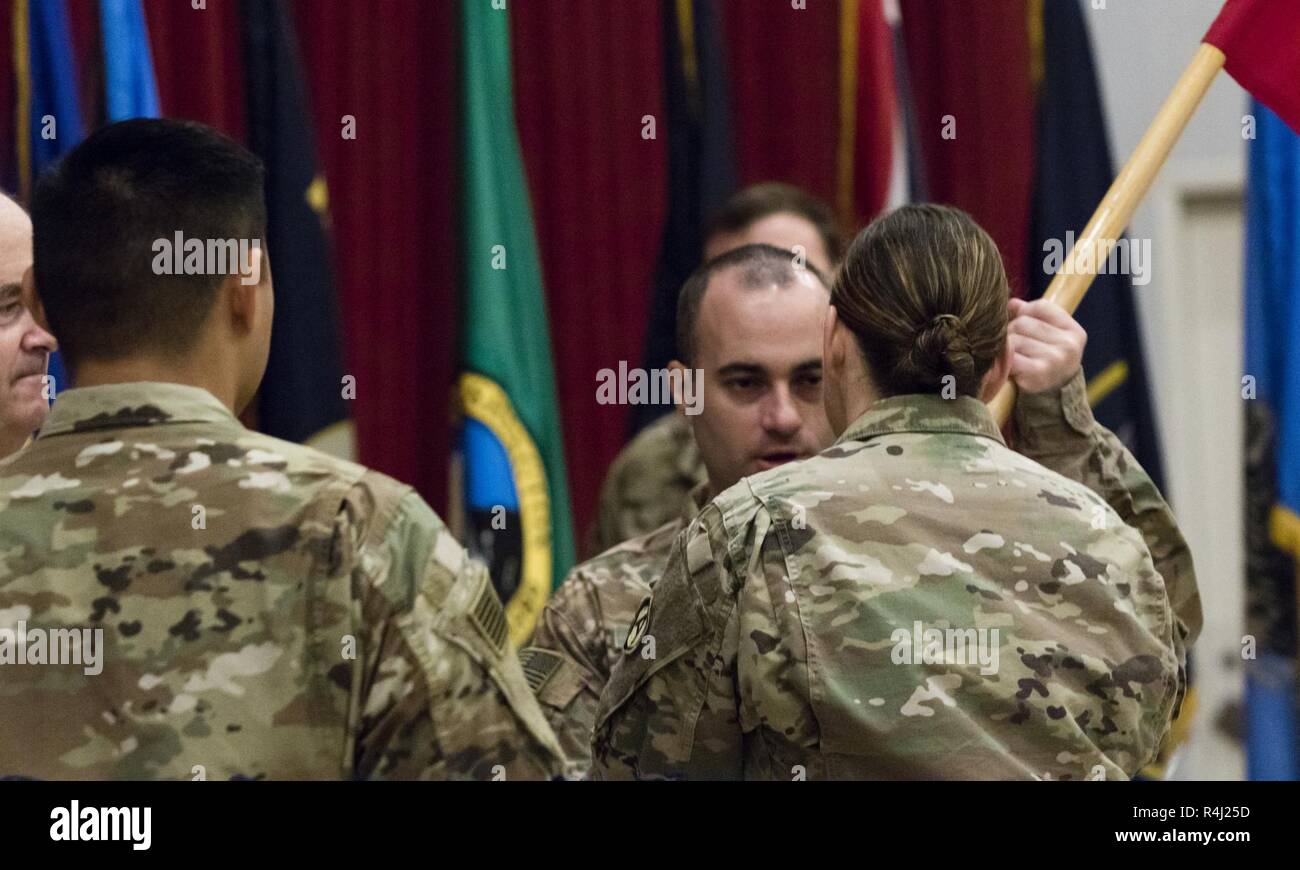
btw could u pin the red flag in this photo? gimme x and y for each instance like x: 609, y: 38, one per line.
x: 1261, y: 40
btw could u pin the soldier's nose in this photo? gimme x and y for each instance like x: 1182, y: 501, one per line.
x: 781, y: 415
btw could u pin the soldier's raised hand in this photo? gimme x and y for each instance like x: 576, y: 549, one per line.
x: 1046, y: 345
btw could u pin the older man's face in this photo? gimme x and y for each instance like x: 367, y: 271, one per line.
x: 24, y: 347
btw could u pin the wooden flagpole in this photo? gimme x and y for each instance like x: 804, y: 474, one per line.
x: 1094, y: 245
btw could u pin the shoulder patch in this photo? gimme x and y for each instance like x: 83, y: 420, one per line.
x: 489, y: 617
x: 637, y: 629
x: 539, y: 665
x: 699, y: 553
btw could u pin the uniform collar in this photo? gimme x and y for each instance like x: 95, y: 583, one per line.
x: 917, y: 412
x: 120, y: 406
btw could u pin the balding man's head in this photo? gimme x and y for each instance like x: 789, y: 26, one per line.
x: 750, y: 324
x: 24, y: 346
x: 15, y: 240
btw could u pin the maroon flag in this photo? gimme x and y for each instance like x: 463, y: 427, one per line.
x: 1261, y: 40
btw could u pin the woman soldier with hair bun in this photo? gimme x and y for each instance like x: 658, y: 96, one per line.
x: 918, y: 601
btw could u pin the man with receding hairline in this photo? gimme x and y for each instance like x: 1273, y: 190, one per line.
x: 25, y: 347
x: 650, y: 480
x: 749, y: 324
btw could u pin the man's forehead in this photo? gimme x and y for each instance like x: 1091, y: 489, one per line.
x: 779, y: 325
x: 15, y: 241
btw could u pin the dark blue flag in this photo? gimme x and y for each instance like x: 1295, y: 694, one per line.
x: 1072, y: 175
x: 701, y: 173
x: 55, y: 117
x: 302, y: 394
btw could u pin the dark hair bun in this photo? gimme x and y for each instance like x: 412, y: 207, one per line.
x: 940, y: 348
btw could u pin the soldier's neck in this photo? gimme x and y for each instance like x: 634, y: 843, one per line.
x: 189, y: 372
x: 12, y: 442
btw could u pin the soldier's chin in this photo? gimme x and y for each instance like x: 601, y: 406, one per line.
x: 27, y: 401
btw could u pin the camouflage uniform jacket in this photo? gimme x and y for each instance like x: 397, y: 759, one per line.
x: 267, y: 611
x: 649, y: 483
x: 580, y: 635
x: 793, y: 631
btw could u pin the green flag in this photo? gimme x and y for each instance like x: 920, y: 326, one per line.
x: 512, y: 453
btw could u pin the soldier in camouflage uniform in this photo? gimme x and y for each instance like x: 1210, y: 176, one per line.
x: 250, y: 608
x: 580, y: 634
x: 917, y: 601
x: 756, y: 338
x: 584, y: 626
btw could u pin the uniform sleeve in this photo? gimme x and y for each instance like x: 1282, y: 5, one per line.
x: 564, y: 664
x: 439, y: 693
x: 670, y: 709
x: 772, y: 667
x: 1057, y: 429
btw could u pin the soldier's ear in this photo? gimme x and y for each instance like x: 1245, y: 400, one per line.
x: 241, y: 303
x: 675, y: 383
x: 32, y: 300
x: 832, y: 351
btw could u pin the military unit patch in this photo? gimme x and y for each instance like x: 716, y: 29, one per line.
x: 639, y: 624
x: 539, y: 665
x: 488, y: 617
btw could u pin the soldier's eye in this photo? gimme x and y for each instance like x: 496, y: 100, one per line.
x: 744, y: 384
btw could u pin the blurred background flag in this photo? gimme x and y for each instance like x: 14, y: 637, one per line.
x: 701, y: 166
x: 302, y: 397
x: 1260, y: 40
x: 872, y: 162
x: 50, y: 124
x: 54, y: 124
x: 1073, y: 171
x: 130, y: 90
x: 512, y: 456
x: 1272, y: 390
x: 969, y: 86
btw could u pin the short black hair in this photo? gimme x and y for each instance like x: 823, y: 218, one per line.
x: 761, y: 265
x: 767, y: 198
x: 97, y: 213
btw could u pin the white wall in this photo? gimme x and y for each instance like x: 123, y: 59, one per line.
x: 1191, y: 317
x: 1141, y: 46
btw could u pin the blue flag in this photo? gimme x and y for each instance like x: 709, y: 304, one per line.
x: 701, y: 170
x: 56, y: 125
x: 130, y: 90
x: 56, y: 113
x: 1273, y: 430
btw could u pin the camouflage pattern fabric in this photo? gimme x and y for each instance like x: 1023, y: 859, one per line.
x: 793, y: 632
x: 1056, y: 428
x: 649, y: 483
x: 264, y: 610
x: 581, y: 632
